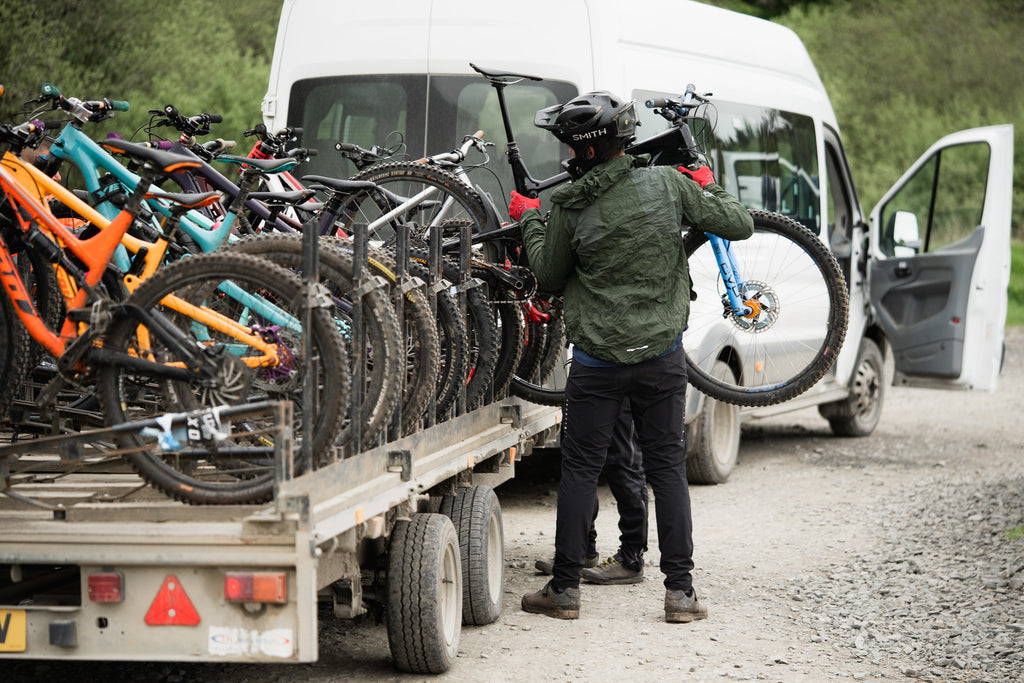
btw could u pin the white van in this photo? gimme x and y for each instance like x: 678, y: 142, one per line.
x: 927, y: 274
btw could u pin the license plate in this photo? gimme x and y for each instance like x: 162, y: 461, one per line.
x: 12, y: 630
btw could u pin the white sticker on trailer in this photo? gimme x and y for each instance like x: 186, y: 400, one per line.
x: 227, y: 641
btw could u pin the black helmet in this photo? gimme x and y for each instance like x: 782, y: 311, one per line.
x: 596, y: 119
x: 590, y: 118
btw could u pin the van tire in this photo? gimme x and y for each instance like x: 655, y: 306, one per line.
x: 713, y: 439
x: 858, y: 414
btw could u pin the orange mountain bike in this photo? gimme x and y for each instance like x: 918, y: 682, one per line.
x: 211, y: 330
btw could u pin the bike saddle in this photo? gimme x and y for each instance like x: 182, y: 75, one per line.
x: 293, y: 197
x: 167, y: 162
x: 345, y: 186
x: 502, y: 74
x: 265, y: 165
x: 186, y: 201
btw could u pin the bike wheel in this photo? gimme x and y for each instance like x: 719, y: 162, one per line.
x: 424, y: 352
x: 202, y: 475
x: 381, y: 335
x: 546, y: 385
x: 481, y: 331
x: 510, y: 335
x: 453, y: 344
x: 796, y: 329
x: 448, y: 202
x: 14, y: 351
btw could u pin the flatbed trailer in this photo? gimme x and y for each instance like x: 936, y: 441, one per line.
x: 101, y: 567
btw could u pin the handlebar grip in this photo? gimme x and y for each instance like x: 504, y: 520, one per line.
x: 656, y: 102
x: 50, y: 90
x: 119, y: 105
x: 215, y: 118
x: 312, y: 152
x: 346, y: 147
x: 171, y: 111
x: 159, y: 144
x: 297, y: 131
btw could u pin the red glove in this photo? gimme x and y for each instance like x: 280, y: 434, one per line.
x: 519, y: 204
x: 702, y: 176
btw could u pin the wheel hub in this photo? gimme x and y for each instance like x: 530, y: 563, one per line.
x: 764, y: 308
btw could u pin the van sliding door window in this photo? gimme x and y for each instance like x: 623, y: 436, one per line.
x: 421, y: 115
x: 384, y: 110
x: 767, y: 158
x: 462, y: 105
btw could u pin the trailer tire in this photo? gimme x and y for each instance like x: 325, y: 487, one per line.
x: 424, y: 594
x: 476, y: 514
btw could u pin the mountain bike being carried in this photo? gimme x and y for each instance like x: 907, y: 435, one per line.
x: 768, y: 314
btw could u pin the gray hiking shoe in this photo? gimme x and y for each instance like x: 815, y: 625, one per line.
x: 681, y: 608
x: 613, y: 572
x: 548, y: 566
x: 546, y: 601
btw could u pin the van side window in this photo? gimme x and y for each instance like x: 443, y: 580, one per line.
x: 767, y: 158
x: 364, y: 110
x: 419, y: 115
x: 461, y: 105
x: 941, y: 204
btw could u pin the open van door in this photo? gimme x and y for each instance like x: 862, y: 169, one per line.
x: 940, y: 241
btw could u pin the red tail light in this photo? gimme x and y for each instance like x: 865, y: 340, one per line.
x: 256, y: 587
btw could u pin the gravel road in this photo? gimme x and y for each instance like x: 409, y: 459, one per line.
x: 898, y: 556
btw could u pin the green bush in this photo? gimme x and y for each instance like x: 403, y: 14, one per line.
x: 1015, y: 310
x: 902, y: 75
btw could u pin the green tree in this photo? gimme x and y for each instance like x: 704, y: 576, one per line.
x: 200, y: 56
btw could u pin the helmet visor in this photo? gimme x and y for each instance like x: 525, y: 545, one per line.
x: 625, y: 120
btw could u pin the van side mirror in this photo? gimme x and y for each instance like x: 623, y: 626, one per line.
x: 906, y: 236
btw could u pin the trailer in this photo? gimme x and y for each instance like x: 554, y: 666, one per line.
x: 94, y: 565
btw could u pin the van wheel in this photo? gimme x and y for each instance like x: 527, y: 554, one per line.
x: 424, y: 611
x: 858, y: 414
x: 476, y: 514
x: 714, y: 437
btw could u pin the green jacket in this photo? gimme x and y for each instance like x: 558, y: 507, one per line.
x: 614, y: 242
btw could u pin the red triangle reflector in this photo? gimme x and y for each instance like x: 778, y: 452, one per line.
x: 171, y: 607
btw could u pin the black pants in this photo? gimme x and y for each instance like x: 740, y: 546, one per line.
x: 624, y: 471
x: 656, y: 392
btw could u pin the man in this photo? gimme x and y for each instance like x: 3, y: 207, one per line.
x: 614, y: 244
x: 623, y: 468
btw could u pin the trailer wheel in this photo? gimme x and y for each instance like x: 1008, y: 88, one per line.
x: 424, y: 611
x: 476, y: 514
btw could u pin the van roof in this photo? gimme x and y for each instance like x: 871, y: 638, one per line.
x: 657, y: 45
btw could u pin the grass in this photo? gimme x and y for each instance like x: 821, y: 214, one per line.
x: 1015, y: 533
x: 1015, y: 310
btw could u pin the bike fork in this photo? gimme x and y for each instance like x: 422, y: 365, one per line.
x: 734, y: 286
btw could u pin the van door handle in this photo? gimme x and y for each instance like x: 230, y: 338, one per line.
x: 902, y: 269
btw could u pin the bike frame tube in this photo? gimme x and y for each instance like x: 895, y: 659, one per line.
x: 222, y: 183
x: 94, y: 253
x: 90, y: 158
